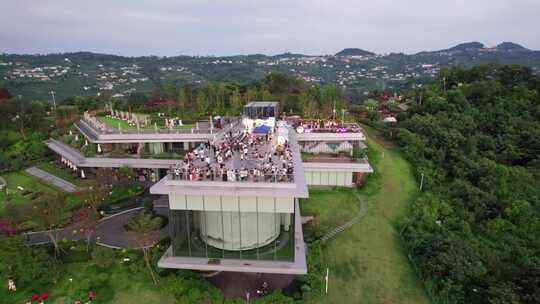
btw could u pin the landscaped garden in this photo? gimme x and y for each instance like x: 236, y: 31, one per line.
x: 124, y: 125
x: 111, y: 275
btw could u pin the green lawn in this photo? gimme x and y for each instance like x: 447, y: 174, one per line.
x: 113, y: 122
x: 142, y: 295
x: 61, y: 173
x: 367, y: 263
x: 28, y: 182
x: 330, y: 208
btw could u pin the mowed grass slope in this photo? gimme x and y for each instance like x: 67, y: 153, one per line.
x: 329, y: 208
x: 28, y: 182
x: 61, y: 173
x: 367, y: 263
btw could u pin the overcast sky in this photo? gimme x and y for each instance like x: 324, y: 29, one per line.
x: 229, y: 27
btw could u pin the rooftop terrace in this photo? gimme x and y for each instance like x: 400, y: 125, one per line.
x: 97, y: 130
x: 239, y: 157
x: 239, y: 164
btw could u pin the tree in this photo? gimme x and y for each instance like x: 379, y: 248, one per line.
x: 183, y: 101
x: 106, y: 176
x: 331, y: 97
x: 201, y: 103
x: 27, y: 265
x: 251, y: 94
x: 473, y: 231
x: 51, y: 213
x: 88, y: 216
x: 371, y: 104
x: 126, y: 175
x: 144, y: 233
x: 236, y: 102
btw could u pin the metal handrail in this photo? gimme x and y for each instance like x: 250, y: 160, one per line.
x: 237, y: 176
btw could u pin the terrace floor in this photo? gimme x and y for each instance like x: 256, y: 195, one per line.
x: 256, y: 158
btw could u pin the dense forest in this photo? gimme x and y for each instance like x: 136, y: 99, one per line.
x: 474, y: 232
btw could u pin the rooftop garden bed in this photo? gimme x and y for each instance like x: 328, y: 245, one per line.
x: 154, y: 122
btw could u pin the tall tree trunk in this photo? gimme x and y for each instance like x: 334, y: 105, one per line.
x: 54, y: 240
x: 149, y: 266
x: 88, y: 236
x: 22, y: 132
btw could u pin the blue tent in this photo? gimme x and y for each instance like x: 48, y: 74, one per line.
x: 262, y: 129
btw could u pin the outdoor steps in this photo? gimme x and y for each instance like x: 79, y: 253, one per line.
x: 355, y: 220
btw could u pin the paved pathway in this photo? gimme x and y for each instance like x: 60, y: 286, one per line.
x: 53, y: 179
x: 110, y: 231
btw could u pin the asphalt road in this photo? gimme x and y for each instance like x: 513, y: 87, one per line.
x: 110, y: 231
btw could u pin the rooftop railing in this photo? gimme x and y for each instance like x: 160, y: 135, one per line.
x: 102, y: 128
x: 216, y: 175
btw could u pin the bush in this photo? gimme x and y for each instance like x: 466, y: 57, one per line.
x: 148, y: 205
x: 100, y: 280
x: 89, y: 151
x: 28, y: 265
x: 75, y: 252
x: 103, y: 257
x: 359, y: 153
x: 28, y: 225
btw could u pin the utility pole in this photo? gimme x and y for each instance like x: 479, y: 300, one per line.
x: 53, y: 99
x: 444, y: 83
x: 421, y: 181
x: 326, y: 280
x: 334, y: 110
x: 343, y: 116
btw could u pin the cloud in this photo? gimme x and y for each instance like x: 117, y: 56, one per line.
x: 164, y: 27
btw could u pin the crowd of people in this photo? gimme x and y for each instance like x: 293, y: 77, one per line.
x: 240, y: 156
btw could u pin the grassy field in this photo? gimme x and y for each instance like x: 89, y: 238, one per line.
x: 367, y: 263
x: 26, y: 181
x: 113, y: 122
x: 330, y: 208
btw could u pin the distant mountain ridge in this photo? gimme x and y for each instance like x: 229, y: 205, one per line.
x: 466, y: 46
x: 510, y: 46
x: 462, y: 47
x: 354, y: 52
x: 354, y: 69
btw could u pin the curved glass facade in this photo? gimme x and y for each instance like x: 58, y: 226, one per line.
x: 228, y: 234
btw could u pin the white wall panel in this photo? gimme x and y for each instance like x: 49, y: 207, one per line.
x: 328, y: 178
x: 231, y: 203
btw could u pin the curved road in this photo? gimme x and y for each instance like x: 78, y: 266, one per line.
x: 110, y: 231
